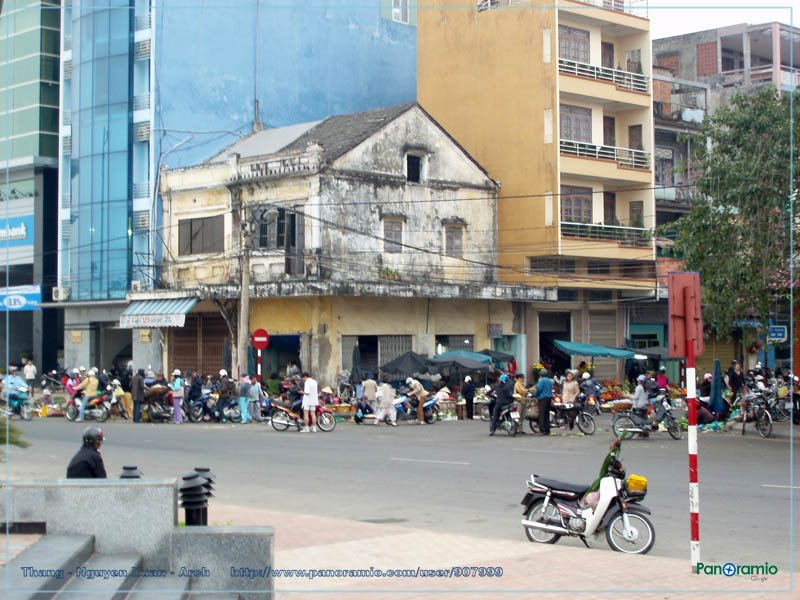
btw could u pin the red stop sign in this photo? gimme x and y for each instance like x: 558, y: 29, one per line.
x: 260, y: 339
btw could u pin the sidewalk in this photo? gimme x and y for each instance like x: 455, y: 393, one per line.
x: 529, y: 570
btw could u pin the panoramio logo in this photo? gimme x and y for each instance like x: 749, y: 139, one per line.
x: 730, y: 569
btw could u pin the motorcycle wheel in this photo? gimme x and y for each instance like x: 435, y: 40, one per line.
x: 102, y: 413
x: 674, y: 429
x: 534, y: 425
x: 196, y: 414
x: 646, y: 533
x: 781, y: 414
x: 622, y: 427
x: 585, y: 423
x: 485, y: 414
x: 326, y: 421
x: 764, y: 425
x: 280, y: 422
x: 511, y: 428
x: 71, y: 413
x: 431, y: 416
x: 235, y: 415
x: 25, y: 411
x: 535, y: 514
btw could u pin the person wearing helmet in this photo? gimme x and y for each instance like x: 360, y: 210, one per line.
x: 89, y: 387
x: 227, y: 395
x: 504, y: 395
x: 176, y: 385
x: 87, y: 462
x: 544, y: 393
x: 662, y: 381
x: 639, y: 397
x: 468, y: 392
x: 421, y: 394
x: 137, y: 393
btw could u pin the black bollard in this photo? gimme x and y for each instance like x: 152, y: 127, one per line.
x: 194, y: 499
x: 130, y: 472
x: 210, y: 478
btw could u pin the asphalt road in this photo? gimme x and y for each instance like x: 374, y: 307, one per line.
x: 451, y: 476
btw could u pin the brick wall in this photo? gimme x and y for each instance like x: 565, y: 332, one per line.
x: 669, y: 62
x: 706, y: 59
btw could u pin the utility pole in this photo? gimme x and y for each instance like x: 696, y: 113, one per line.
x: 243, y: 329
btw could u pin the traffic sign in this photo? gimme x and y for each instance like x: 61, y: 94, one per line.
x: 260, y: 339
x: 777, y: 333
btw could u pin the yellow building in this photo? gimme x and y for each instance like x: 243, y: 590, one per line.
x: 554, y: 99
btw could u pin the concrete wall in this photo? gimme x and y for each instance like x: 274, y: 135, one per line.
x: 122, y: 515
x: 327, y: 57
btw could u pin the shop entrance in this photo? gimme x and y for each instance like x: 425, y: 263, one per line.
x: 554, y: 326
x: 282, y: 349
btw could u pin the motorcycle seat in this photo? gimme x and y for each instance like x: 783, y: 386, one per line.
x: 562, y: 485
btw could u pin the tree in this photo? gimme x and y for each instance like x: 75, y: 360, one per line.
x: 737, y: 236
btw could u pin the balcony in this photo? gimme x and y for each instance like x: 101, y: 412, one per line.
x: 624, y: 157
x: 633, y: 7
x: 625, y: 80
x: 681, y: 195
x: 625, y: 236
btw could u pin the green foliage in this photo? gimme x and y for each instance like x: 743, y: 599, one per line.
x: 737, y: 237
x: 14, y: 434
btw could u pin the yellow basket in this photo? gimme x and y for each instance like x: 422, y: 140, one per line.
x: 637, y: 484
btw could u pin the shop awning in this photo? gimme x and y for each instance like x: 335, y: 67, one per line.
x: 167, y: 312
x: 579, y: 349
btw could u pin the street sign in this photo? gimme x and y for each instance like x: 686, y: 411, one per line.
x: 685, y: 322
x: 260, y: 339
x: 777, y: 333
x: 20, y: 298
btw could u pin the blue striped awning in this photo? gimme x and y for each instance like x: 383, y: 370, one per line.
x: 170, y: 312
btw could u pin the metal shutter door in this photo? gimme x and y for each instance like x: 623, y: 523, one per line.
x: 392, y: 346
x: 603, y: 331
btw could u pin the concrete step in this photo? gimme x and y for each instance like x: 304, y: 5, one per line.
x: 164, y: 588
x: 54, y: 557
x: 102, y: 577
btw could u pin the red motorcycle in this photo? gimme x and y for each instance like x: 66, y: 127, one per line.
x: 283, y: 417
x: 98, y: 408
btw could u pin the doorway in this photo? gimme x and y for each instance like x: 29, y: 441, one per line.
x: 554, y: 326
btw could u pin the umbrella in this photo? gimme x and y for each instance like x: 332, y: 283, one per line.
x: 717, y: 402
x: 355, y: 371
x: 407, y: 364
x: 458, y: 362
x: 473, y: 356
x: 496, y: 356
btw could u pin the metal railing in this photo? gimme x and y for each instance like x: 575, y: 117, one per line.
x: 622, y: 79
x: 141, y: 101
x: 634, y: 7
x: 142, y: 22
x: 141, y: 190
x: 624, y: 157
x: 66, y: 116
x: 683, y: 195
x: 627, y: 236
x: 65, y: 200
x: 67, y: 42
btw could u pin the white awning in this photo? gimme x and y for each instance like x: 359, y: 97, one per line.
x: 169, y: 312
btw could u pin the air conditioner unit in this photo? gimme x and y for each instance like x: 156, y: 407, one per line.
x: 60, y: 294
x: 137, y: 285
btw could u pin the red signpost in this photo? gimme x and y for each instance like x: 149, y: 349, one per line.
x: 686, y: 339
x: 260, y: 341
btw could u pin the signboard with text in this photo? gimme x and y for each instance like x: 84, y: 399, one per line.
x: 20, y: 298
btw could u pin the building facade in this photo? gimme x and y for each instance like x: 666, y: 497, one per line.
x: 373, y: 229
x: 148, y: 84
x: 29, y: 91
x: 556, y: 103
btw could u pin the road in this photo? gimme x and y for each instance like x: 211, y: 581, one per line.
x: 452, y: 476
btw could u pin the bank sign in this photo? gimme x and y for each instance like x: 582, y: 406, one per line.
x: 20, y: 298
x: 16, y: 231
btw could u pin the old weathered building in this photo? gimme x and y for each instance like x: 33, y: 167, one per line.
x: 374, y: 228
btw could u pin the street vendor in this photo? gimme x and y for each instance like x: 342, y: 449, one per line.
x: 519, y: 385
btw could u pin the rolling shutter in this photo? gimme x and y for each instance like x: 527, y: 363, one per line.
x: 603, y: 331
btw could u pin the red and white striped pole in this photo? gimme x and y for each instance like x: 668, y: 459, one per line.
x: 691, y: 401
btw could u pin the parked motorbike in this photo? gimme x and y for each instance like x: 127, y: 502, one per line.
x: 97, y: 409
x: 202, y: 409
x: 628, y: 423
x: 556, y: 508
x: 509, y: 419
x: 157, y: 405
x: 17, y: 402
x: 567, y: 416
x: 113, y: 402
x: 406, y: 409
x: 283, y: 417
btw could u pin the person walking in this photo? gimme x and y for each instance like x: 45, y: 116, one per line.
x: 386, y: 408
x: 29, y: 371
x: 254, y: 399
x: 244, y: 398
x: 570, y: 389
x: 137, y: 392
x: 87, y: 462
x: 177, y: 396
x: 468, y: 392
x: 544, y: 393
x: 310, y: 403
x: 369, y: 390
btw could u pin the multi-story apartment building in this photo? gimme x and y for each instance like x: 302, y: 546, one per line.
x: 148, y: 84
x: 555, y: 100
x: 29, y: 55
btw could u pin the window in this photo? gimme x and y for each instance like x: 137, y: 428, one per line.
x: 576, y: 123
x: 550, y: 265
x: 273, y: 227
x: 636, y: 212
x: 573, y: 44
x: 413, y: 168
x: 610, y: 208
x: 392, y: 235
x: 599, y: 296
x: 634, y: 60
x: 598, y: 268
x: 400, y: 11
x: 635, y: 137
x: 453, y: 238
x: 576, y: 204
x: 448, y: 343
x: 201, y: 236
x: 568, y: 295
x: 665, y: 166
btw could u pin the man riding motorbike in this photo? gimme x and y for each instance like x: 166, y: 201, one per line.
x: 89, y: 387
x: 504, y: 394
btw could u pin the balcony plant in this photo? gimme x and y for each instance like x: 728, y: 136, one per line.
x: 388, y: 274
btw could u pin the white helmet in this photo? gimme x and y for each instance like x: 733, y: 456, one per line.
x: 586, y: 375
x: 223, y: 373
x: 92, y: 372
x: 176, y: 372
x: 467, y: 379
x: 409, y: 381
x: 75, y: 371
x: 82, y: 369
x: 116, y: 382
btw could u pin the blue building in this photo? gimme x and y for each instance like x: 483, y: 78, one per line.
x: 150, y: 84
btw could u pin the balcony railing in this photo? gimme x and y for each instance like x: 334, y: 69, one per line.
x: 66, y: 116
x: 624, y: 157
x: 142, y: 22
x: 635, y: 7
x: 626, y: 236
x: 141, y: 190
x: 67, y: 42
x: 141, y: 102
x: 680, y: 195
x: 622, y: 79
